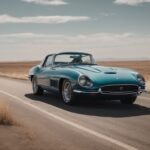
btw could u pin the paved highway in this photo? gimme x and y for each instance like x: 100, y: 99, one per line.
x: 86, y: 126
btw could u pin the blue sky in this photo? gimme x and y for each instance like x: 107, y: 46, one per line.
x: 116, y: 29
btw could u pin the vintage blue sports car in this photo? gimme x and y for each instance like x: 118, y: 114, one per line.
x: 76, y: 73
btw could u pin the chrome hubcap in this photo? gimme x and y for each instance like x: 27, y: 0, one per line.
x: 66, y: 93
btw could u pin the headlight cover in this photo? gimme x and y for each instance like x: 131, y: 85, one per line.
x: 84, y: 81
x: 141, y: 79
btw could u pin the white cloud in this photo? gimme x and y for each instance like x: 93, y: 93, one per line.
x: 102, y: 45
x: 29, y: 35
x: 47, y: 2
x: 42, y: 19
x: 131, y: 2
x: 103, y: 37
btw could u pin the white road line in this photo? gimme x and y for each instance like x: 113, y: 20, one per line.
x: 80, y: 127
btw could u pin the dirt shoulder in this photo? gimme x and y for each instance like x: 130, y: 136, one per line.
x: 17, y: 70
x: 13, y: 135
x: 15, y: 138
x: 20, y: 132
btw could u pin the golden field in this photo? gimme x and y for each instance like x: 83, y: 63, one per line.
x: 5, y: 115
x: 19, y: 70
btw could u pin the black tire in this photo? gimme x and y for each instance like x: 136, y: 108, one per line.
x: 36, y: 89
x: 129, y: 100
x: 68, y: 98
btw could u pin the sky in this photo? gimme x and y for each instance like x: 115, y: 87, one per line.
x: 108, y: 29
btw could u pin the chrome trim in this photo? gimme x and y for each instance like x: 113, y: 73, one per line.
x: 112, y: 93
x: 116, y: 93
x: 119, y: 93
x: 119, y: 84
x: 84, y: 92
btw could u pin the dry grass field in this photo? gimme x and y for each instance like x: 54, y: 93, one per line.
x: 5, y: 115
x: 20, y: 70
x: 14, y: 134
x: 17, y: 70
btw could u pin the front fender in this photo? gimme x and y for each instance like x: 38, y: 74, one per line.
x: 33, y: 71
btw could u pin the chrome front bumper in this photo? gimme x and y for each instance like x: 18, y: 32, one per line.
x: 140, y: 91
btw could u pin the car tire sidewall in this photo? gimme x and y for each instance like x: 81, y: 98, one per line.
x: 36, y: 89
x: 129, y: 100
x: 71, y: 101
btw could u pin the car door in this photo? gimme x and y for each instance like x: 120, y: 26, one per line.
x: 46, y: 72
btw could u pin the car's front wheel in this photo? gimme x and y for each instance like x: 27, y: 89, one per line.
x: 36, y: 89
x: 129, y: 100
x: 67, y: 93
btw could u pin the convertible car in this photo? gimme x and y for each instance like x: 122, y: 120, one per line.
x: 74, y: 73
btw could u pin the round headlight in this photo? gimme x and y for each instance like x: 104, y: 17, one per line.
x: 141, y: 79
x: 85, y: 81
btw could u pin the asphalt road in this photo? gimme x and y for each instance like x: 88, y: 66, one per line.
x: 86, y: 126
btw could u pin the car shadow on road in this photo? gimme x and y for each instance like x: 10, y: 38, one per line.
x: 93, y: 107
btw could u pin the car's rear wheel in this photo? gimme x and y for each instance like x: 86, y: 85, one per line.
x: 129, y: 100
x: 36, y: 89
x: 67, y: 93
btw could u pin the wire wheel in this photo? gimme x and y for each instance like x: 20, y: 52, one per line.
x: 67, y: 94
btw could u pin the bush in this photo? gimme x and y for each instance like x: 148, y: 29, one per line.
x: 5, y: 116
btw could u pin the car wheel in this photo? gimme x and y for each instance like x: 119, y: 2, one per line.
x: 67, y: 93
x: 36, y: 89
x: 129, y: 100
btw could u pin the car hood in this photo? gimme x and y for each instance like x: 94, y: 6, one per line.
x: 101, y: 75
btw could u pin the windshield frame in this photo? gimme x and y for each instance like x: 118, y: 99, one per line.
x: 73, y: 53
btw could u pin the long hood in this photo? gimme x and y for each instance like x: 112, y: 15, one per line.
x: 107, y: 75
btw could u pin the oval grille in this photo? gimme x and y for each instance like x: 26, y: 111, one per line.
x: 119, y: 88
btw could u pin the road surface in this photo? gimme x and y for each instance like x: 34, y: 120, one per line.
x: 86, y: 126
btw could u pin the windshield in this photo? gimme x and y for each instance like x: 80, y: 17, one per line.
x: 67, y: 59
